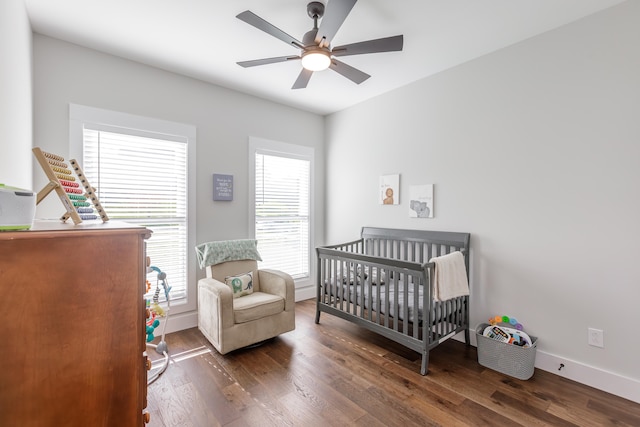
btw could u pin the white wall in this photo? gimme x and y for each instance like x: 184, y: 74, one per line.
x: 65, y: 73
x: 535, y: 151
x: 15, y: 95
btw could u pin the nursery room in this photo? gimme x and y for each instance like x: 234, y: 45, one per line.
x: 199, y: 226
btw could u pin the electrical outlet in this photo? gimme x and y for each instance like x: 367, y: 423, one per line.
x: 596, y: 337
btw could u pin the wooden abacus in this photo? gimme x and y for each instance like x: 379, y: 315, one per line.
x: 69, y: 191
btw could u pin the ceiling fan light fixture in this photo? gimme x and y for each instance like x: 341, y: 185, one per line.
x: 316, y: 53
x: 316, y: 60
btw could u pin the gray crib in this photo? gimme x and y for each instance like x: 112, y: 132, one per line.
x: 384, y: 282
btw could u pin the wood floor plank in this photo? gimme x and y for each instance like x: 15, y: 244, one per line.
x: 169, y: 405
x: 617, y: 410
x: 196, y: 414
x: 369, y: 402
x: 369, y: 420
x: 583, y: 418
x: 203, y: 377
x: 337, y: 408
x: 529, y: 413
x: 260, y: 416
x: 339, y: 374
x: 440, y: 412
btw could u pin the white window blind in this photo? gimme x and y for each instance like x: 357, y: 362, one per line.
x: 143, y: 180
x: 282, y: 205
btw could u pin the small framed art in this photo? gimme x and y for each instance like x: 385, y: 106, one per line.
x: 421, y: 201
x: 222, y: 187
x: 389, y: 190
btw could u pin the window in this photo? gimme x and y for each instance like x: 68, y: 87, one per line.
x: 281, y: 220
x: 141, y: 177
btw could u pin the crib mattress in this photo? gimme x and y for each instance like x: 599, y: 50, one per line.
x: 392, y: 303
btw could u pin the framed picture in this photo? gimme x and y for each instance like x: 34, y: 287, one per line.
x: 222, y: 187
x: 389, y: 190
x: 421, y: 201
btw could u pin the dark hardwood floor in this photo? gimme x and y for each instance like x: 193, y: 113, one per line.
x: 338, y: 374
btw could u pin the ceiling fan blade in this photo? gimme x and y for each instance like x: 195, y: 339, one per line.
x: 266, y: 61
x: 387, y: 44
x: 348, y: 71
x: 253, y: 19
x: 303, y: 79
x: 334, y: 15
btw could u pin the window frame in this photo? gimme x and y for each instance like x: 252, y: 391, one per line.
x: 282, y: 149
x: 130, y: 124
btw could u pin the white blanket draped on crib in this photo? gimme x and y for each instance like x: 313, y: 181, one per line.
x: 450, y: 276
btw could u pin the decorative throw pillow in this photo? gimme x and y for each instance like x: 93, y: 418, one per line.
x: 241, y: 284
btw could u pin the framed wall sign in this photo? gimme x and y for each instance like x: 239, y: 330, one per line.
x: 222, y: 187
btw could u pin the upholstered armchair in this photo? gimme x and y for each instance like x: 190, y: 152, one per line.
x: 239, y: 305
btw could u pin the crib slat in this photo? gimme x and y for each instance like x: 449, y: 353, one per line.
x: 416, y: 303
x: 405, y: 303
x: 396, y: 308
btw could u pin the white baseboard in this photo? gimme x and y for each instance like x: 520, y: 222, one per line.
x: 609, y: 382
x: 306, y: 293
x: 178, y: 322
x: 627, y: 388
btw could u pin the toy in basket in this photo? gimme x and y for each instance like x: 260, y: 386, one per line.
x: 507, y: 329
x: 504, y: 347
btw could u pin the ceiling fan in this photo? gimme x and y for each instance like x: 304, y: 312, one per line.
x: 316, y: 53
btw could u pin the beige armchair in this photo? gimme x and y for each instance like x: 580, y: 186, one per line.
x: 231, y: 322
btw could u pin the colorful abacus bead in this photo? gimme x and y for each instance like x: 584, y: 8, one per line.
x: 53, y: 156
x: 63, y: 177
x: 67, y: 183
x: 63, y: 171
x: 58, y: 164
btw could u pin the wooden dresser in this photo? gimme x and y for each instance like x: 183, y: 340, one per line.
x: 72, y: 338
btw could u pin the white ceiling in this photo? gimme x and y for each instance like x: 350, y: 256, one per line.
x: 203, y: 39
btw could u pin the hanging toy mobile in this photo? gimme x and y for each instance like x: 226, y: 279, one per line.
x: 154, y: 312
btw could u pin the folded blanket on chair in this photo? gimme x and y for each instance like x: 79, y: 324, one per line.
x: 451, y: 277
x: 213, y: 253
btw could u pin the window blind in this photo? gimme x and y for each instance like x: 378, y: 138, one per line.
x: 282, y: 204
x: 143, y: 180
